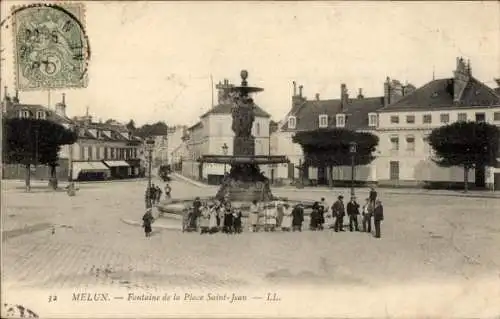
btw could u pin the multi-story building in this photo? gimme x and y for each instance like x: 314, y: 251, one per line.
x: 175, y: 134
x: 405, y: 157
x: 104, y: 150
x: 212, y: 135
x: 359, y: 114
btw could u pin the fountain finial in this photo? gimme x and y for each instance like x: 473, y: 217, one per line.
x: 244, y: 76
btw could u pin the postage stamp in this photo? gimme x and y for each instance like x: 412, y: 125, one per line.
x: 51, y: 48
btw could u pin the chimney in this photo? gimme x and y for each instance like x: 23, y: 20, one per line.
x: 16, y: 97
x: 294, y: 88
x: 387, y: 91
x: 360, y: 94
x: 317, y: 96
x: 344, y: 96
x: 460, y: 79
x: 61, y: 106
x: 301, y: 87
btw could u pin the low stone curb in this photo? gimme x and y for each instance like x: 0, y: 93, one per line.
x: 154, y: 225
x: 190, y: 181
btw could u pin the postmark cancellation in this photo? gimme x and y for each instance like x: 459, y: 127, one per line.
x: 51, y: 47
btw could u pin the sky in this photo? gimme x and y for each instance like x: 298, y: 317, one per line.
x: 154, y: 60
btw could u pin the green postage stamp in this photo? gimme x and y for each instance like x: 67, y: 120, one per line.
x: 50, y: 46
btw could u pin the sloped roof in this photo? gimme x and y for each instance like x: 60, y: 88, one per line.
x: 356, y: 111
x: 51, y: 114
x: 227, y: 109
x: 439, y: 94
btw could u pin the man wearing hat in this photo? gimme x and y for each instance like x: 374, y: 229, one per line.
x: 338, y: 211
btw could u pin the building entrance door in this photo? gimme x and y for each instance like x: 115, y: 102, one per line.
x: 480, y: 177
x: 394, y: 170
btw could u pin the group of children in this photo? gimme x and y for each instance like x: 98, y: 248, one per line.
x: 218, y: 216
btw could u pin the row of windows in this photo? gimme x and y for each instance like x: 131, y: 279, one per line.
x: 107, y: 153
x: 444, y: 118
x: 410, y: 143
x: 41, y: 115
x: 323, y: 121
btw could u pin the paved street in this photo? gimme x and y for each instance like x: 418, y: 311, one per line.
x: 425, y: 238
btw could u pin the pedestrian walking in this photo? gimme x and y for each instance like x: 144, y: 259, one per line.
x: 367, y: 216
x: 373, y: 196
x: 147, y: 220
x: 158, y: 194
x: 168, y: 190
x: 286, y: 223
x: 338, y: 211
x: 253, y: 217
x: 297, y: 217
x: 378, y: 217
x: 315, y: 217
x: 353, y: 212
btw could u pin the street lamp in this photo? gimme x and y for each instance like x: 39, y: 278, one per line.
x: 150, y: 142
x: 224, y: 151
x: 352, y: 150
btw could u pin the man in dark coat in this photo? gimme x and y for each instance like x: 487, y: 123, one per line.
x: 338, y: 211
x: 195, y: 214
x: 373, y: 196
x: 297, y: 217
x: 315, y: 217
x: 353, y: 212
x: 147, y: 220
x: 378, y: 217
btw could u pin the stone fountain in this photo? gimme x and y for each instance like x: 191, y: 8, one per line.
x: 245, y: 181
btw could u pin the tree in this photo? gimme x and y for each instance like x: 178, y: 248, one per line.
x: 330, y: 147
x: 156, y: 129
x: 466, y: 144
x: 131, y: 126
x: 34, y: 141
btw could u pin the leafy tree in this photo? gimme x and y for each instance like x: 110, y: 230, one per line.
x: 466, y: 144
x: 34, y: 141
x: 330, y: 147
x: 131, y: 126
x: 156, y: 129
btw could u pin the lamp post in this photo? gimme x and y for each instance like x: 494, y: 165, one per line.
x: 71, y: 183
x: 352, y: 150
x: 150, y: 142
x: 224, y: 151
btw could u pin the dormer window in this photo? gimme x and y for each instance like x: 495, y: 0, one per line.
x: 292, y: 122
x: 98, y: 134
x: 340, y: 120
x: 24, y: 114
x: 372, y: 119
x: 41, y: 115
x: 323, y: 120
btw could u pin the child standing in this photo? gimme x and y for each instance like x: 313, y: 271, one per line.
x: 147, y: 220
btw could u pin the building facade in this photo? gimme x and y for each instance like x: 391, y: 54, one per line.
x: 405, y: 156
x: 358, y: 114
x: 104, y: 151
x: 213, y: 133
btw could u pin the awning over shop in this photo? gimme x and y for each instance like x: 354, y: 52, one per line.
x: 116, y: 163
x: 79, y: 167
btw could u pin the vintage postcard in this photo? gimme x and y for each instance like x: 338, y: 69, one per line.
x: 250, y: 159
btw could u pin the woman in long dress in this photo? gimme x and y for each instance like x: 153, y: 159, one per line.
x: 271, y: 214
x: 286, y: 223
x: 212, y: 221
x: 228, y: 219
x: 204, y: 219
x: 253, y: 217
